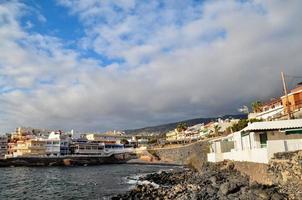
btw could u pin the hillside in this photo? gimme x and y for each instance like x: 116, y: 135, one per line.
x: 163, y: 128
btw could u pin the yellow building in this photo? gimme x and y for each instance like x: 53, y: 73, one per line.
x: 171, y: 136
x: 32, y: 147
x: 21, y: 134
x: 175, y: 135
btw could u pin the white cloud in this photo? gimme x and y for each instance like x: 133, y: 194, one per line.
x: 181, y: 60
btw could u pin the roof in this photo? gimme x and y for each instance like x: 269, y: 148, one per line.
x: 274, y: 125
x: 270, y: 102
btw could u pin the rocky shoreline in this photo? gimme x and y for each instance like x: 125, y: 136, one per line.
x: 213, y: 181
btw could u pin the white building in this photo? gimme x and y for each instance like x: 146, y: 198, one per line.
x: 258, y: 141
x: 192, y: 133
x: 113, y: 138
x: 97, y: 148
x: 57, y: 144
x: 142, y: 142
x: 270, y: 110
x: 88, y: 148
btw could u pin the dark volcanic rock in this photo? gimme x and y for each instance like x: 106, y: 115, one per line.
x: 214, y: 182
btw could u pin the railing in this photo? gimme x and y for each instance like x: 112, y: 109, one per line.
x: 292, y: 108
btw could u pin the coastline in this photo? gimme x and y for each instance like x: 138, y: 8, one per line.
x: 144, y: 162
x: 64, y: 161
x: 214, y: 182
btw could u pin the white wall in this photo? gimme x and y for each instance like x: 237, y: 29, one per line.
x: 237, y: 141
x: 215, y: 157
x: 275, y: 146
x: 53, y: 147
x: 250, y: 155
x: 277, y: 142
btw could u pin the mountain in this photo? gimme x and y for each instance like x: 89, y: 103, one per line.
x: 163, y: 128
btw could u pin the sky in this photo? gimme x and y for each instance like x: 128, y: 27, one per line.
x: 96, y: 65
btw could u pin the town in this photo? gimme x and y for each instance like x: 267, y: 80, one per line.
x: 152, y: 100
x: 272, y: 127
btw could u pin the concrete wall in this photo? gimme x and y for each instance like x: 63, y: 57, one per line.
x: 257, y: 172
x: 280, y: 142
x: 283, y: 169
x: 195, y: 153
x: 249, y: 155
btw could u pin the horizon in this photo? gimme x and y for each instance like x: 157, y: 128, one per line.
x: 127, y: 129
x: 105, y: 65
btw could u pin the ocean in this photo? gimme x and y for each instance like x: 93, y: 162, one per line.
x: 90, y: 182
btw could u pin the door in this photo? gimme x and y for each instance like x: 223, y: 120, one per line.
x: 263, y: 140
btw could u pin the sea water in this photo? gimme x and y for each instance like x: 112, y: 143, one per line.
x: 90, y: 182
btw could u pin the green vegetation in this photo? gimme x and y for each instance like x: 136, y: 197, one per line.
x: 243, y: 123
x: 181, y: 127
x: 124, y: 141
x: 216, y: 130
x: 152, y: 140
x: 256, y: 105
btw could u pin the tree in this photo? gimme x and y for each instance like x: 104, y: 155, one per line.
x: 216, y: 129
x: 242, y: 123
x: 124, y: 141
x: 256, y: 106
x: 152, y: 140
x: 181, y: 127
x: 228, y: 130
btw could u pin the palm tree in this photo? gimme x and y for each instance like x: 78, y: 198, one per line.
x: 216, y: 129
x: 256, y: 105
x: 181, y: 127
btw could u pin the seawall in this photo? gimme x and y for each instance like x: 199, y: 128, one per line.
x: 194, y: 154
x: 64, y: 161
x: 283, y: 169
x: 257, y: 172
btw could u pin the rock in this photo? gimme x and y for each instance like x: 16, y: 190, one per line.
x: 210, y: 190
x: 224, y: 188
x: 227, y: 188
x: 286, y: 169
x: 277, y: 196
x: 263, y: 194
x: 215, y: 181
x: 67, y: 162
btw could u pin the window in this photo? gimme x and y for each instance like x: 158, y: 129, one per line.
x: 263, y: 139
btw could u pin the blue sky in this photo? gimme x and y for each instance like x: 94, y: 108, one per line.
x: 49, y: 18
x: 99, y: 65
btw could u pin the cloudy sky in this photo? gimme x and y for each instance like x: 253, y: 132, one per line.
x: 99, y: 65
